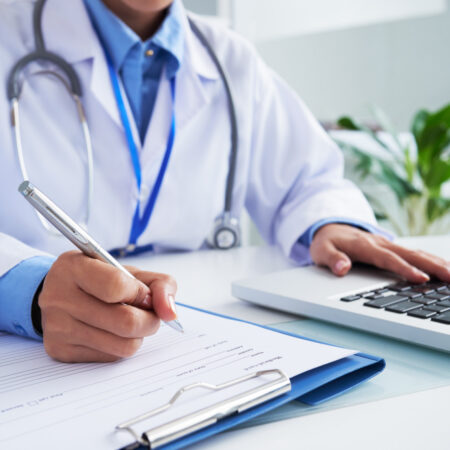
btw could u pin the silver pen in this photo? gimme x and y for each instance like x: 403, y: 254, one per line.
x: 72, y: 231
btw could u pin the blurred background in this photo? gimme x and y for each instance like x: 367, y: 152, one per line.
x: 381, y: 67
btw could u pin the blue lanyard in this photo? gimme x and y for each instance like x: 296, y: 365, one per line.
x: 140, y: 223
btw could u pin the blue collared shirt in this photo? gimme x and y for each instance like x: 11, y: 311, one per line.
x: 140, y: 65
x: 17, y: 290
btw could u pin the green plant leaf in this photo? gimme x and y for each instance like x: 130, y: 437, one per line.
x: 437, y: 175
x: 382, y: 171
x: 348, y: 124
x: 401, y: 187
x: 364, y: 161
x: 380, y: 216
x: 363, y: 164
x: 418, y: 123
x: 432, y: 133
x: 410, y: 166
x: 437, y: 208
x: 386, y: 124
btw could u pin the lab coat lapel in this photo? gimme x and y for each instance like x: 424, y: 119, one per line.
x: 196, y: 71
x: 191, y: 96
x: 102, y: 89
x: 68, y: 32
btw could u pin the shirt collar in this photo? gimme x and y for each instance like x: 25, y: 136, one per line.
x: 118, y: 39
x: 170, y: 36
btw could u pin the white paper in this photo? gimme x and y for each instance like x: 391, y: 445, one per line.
x: 47, y: 404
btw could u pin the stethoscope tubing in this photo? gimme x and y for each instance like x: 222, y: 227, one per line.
x: 74, y: 87
x: 232, y: 114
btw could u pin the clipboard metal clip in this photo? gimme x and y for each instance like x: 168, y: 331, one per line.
x: 176, y: 429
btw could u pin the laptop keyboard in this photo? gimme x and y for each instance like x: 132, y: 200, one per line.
x: 430, y: 300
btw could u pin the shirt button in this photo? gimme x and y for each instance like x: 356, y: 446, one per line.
x: 149, y: 53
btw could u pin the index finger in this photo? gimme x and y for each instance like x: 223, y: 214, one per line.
x: 431, y: 264
x: 384, y: 258
x: 109, y: 284
x: 163, y: 289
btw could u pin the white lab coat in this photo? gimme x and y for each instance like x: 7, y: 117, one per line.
x: 289, y: 172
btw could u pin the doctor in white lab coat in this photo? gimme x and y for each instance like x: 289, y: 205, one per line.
x: 289, y: 177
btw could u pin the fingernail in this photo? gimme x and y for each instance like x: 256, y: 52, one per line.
x: 147, y: 301
x: 341, y: 265
x: 172, y: 304
x: 421, y: 274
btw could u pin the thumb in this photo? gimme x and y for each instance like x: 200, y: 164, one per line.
x: 338, y: 262
x: 143, y: 297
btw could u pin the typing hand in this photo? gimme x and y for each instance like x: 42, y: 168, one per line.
x: 91, y: 311
x: 337, y: 245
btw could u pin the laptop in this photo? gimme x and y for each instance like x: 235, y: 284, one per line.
x: 367, y: 299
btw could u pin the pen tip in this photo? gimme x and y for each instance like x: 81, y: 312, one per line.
x: 176, y: 325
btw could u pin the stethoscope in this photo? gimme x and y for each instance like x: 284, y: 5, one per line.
x: 226, y: 230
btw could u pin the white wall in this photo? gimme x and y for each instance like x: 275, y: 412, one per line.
x: 401, y: 66
x: 261, y: 20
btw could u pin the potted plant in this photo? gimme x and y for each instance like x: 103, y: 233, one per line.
x: 415, y: 170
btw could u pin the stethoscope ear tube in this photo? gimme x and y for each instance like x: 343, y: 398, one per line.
x: 226, y: 233
x: 42, y: 55
x: 14, y: 82
x: 70, y: 80
x: 232, y: 114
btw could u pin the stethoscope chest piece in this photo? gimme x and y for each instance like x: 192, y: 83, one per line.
x: 226, y: 233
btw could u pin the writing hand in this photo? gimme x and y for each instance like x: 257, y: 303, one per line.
x: 91, y: 311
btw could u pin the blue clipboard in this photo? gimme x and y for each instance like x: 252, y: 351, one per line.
x: 312, y: 387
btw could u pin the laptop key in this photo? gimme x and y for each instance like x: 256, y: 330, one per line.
x: 381, y: 291
x: 443, y: 287
x: 423, y: 289
x: 350, y: 298
x: 422, y: 313
x: 424, y: 300
x: 444, y: 303
x: 438, y: 296
x: 403, y: 307
x: 442, y: 318
x: 437, y: 308
x: 437, y: 285
x: 374, y: 296
x: 400, y: 287
x: 385, y: 301
x: 412, y: 294
x: 371, y: 294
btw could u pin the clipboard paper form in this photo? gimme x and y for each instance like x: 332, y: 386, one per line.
x: 179, y: 388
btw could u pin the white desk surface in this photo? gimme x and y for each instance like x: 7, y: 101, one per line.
x: 418, y: 420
